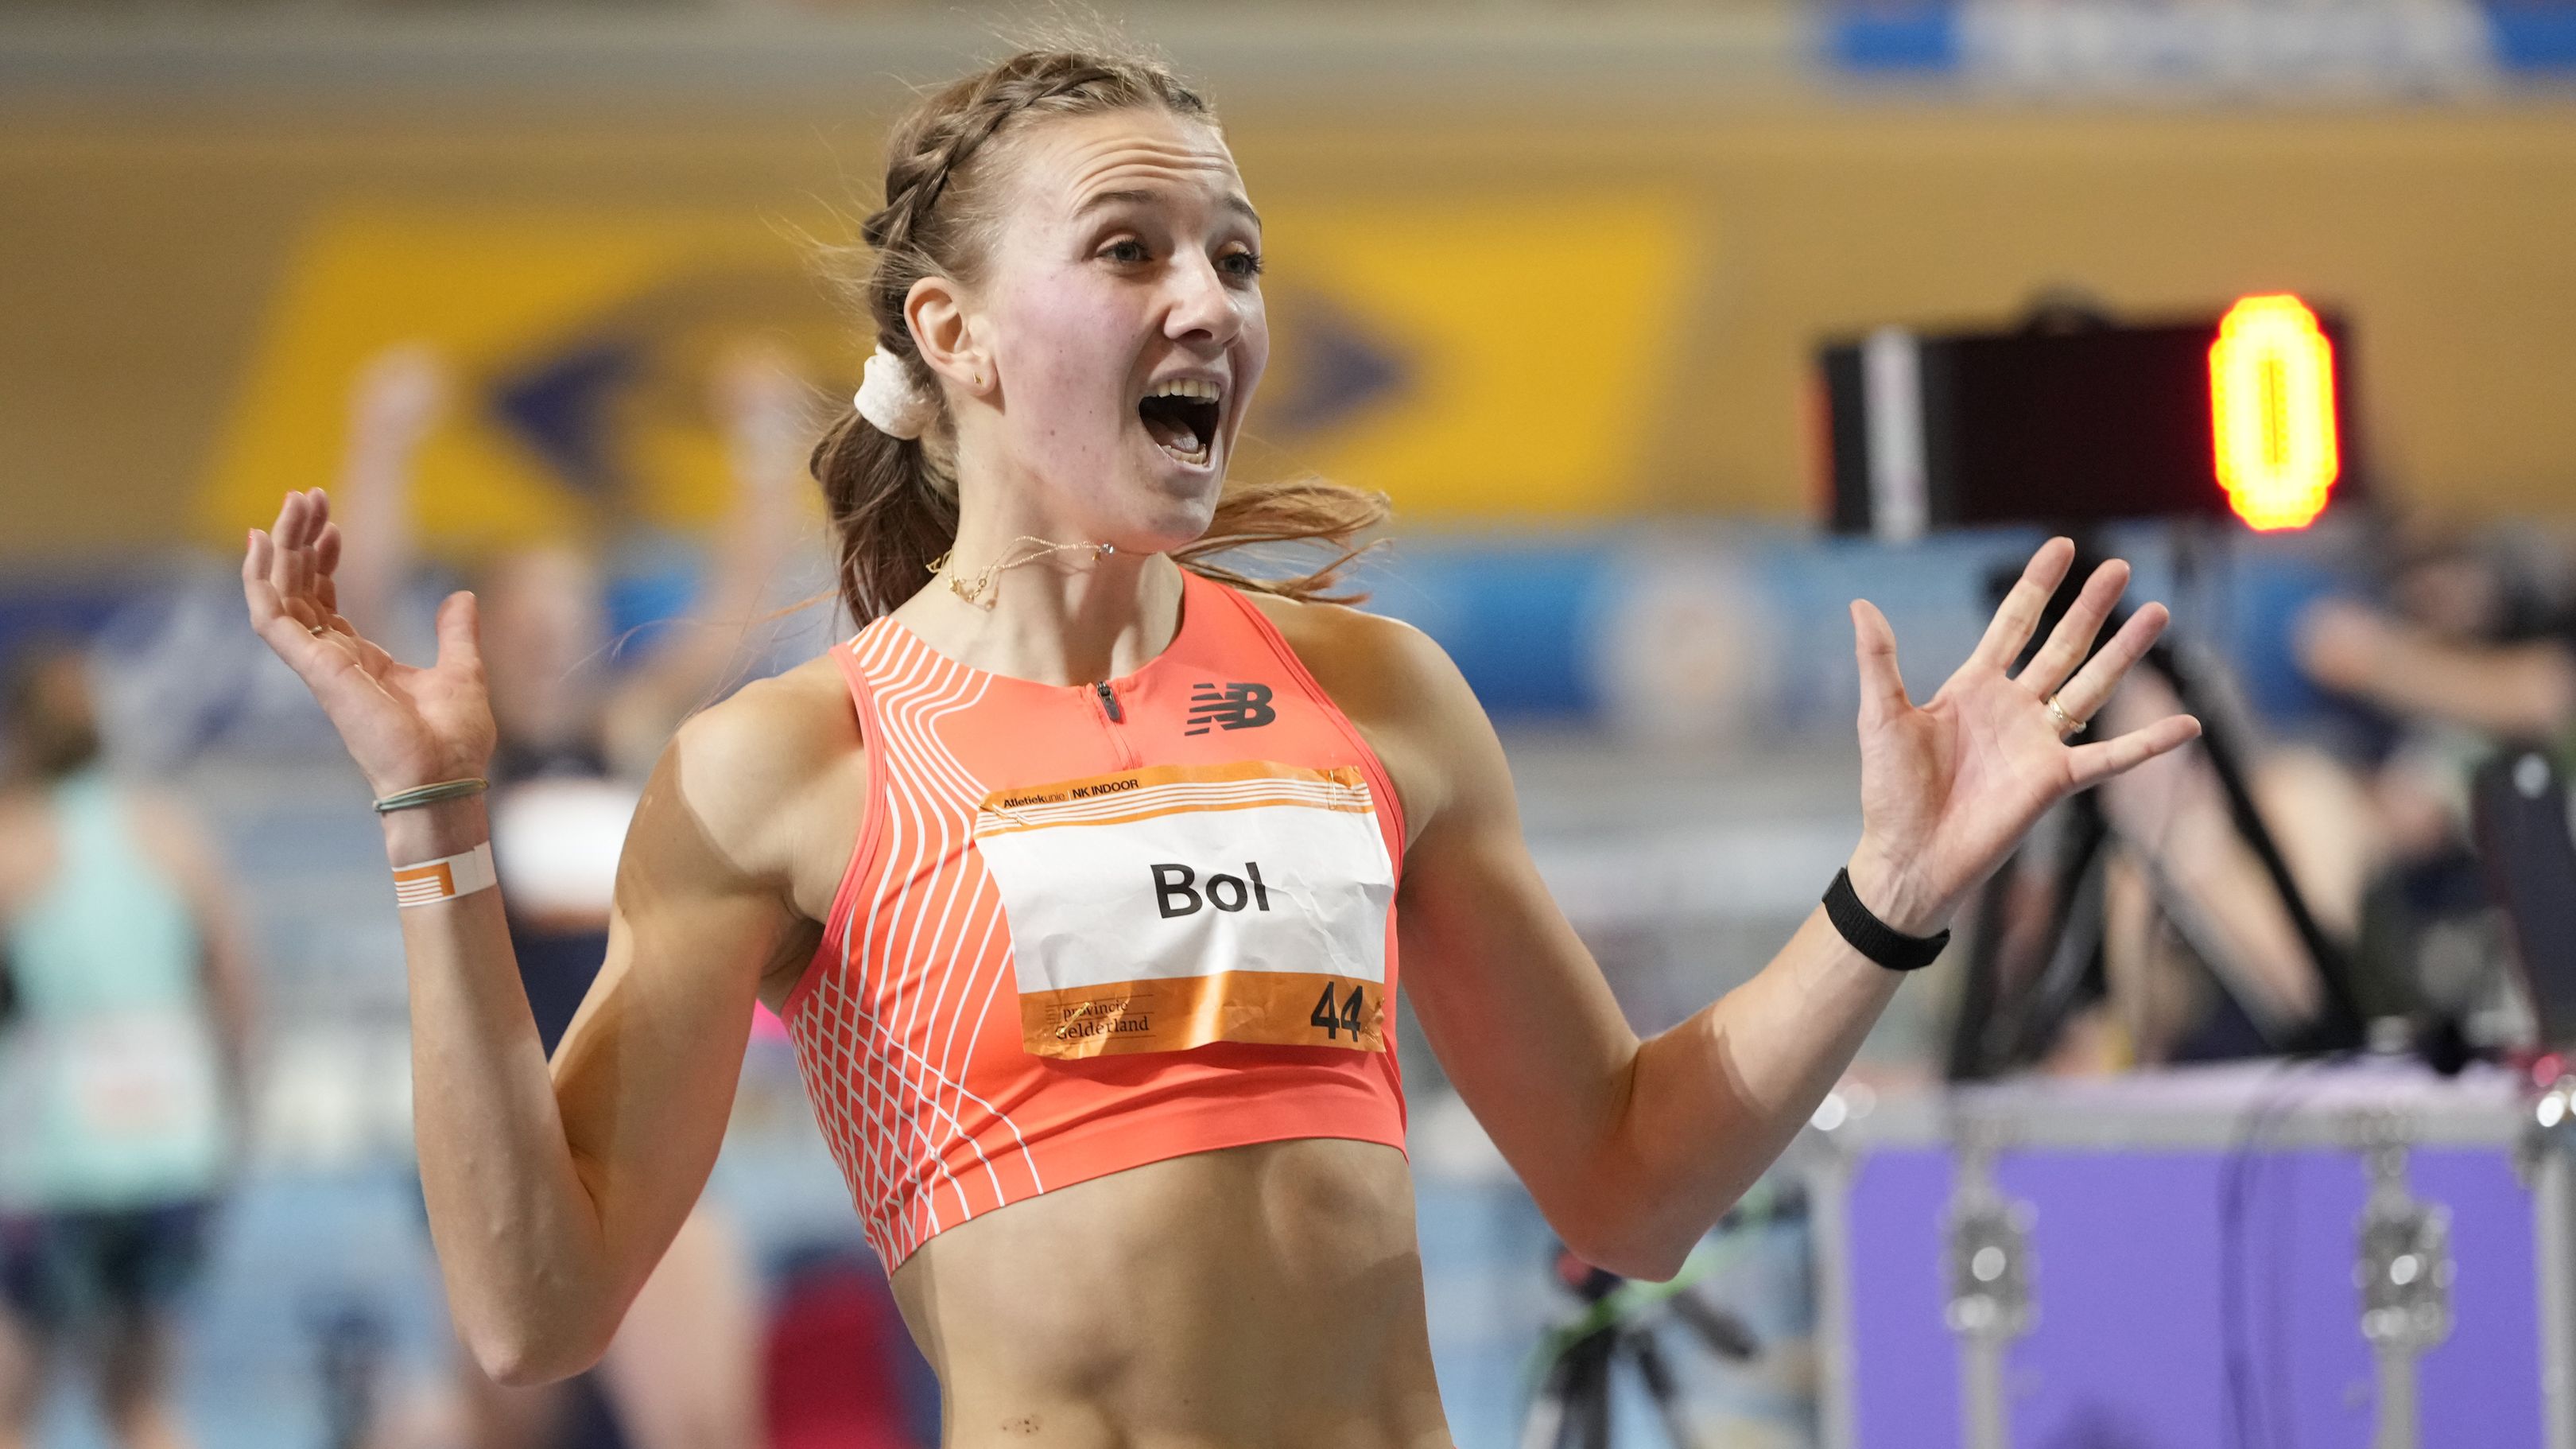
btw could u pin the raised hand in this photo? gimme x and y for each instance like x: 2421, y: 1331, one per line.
x: 1950, y: 786
x: 404, y: 726
x: 764, y: 410
x: 398, y: 397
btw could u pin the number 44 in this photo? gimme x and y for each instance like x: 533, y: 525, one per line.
x: 1349, y: 1015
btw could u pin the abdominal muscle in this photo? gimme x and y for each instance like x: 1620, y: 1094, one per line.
x: 1261, y: 1297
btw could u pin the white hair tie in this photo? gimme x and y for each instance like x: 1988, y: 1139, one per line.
x: 889, y: 400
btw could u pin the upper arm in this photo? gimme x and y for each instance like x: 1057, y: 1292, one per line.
x: 704, y: 909
x: 1508, y: 996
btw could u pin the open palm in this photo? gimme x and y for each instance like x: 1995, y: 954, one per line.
x: 404, y: 726
x: 1949, y: 787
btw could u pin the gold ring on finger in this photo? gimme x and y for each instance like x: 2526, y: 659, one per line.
x: 2068, y: 726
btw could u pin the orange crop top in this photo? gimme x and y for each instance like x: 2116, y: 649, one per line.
x: 1088, y: 927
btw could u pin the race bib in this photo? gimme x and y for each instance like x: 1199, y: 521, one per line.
x: 1166, y: 908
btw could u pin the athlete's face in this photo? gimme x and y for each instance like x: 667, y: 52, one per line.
x: 1121, y: 309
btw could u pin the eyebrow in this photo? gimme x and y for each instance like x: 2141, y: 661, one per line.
x: 1233, y: 202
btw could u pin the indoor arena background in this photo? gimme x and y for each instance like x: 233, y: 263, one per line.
x: 1552, y: 275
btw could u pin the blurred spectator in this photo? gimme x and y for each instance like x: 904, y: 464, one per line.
x: 575, y: 741
x: 2476, y: 647
x: 121, y: 1064
x: 2480, y: 641
x: 2475, y: 650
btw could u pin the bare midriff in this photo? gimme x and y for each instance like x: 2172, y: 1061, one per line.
x: 1262, y: 1297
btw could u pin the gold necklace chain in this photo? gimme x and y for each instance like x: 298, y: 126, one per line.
x: 972, y: 587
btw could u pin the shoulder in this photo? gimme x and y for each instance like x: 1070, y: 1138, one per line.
x: 1400, y: 689
x: 1365, y: 661
x: 751, y: 771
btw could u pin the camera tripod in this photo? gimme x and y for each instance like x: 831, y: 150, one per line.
x: 1993, y: 1034
x: 1618, y: 1321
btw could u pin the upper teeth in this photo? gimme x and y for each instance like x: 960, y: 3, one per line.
x: 1189, y: 388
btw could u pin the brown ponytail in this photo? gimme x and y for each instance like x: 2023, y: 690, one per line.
x: 893, y: 502
x: 888, y: 509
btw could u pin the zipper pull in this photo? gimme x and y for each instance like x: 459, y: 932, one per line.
x: 1109, y: 702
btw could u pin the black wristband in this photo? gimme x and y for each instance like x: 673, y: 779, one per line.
x: 1874, y: 938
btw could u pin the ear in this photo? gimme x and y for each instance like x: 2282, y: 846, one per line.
x: 944, y: 329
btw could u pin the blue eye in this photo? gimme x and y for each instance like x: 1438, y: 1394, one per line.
x: 1242, y: 264
x: 1125, y: 251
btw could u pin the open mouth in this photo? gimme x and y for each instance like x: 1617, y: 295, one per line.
x: 1181, y: 417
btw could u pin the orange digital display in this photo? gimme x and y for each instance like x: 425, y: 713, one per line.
x: 2272, y: 412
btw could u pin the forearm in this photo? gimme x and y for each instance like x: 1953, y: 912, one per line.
x: 2524, y: 691
x: 518, y: 1234
x: 1635, y: 1149
x: 1715, y: 1100
x: 691, y: 663
x: 229, y: 996
x: 376, y: 556
x: 224, y: 965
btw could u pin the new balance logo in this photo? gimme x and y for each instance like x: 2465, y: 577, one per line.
x: 1229, y: 706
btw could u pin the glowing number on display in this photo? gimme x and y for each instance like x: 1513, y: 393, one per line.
x: 2272, y: 412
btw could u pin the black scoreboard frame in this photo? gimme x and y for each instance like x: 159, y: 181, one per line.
x: 2059, y: 428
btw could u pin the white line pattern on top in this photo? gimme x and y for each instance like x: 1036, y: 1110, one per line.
x: 935, y: 689
x: 868, y: 1027
x: 915, y: 727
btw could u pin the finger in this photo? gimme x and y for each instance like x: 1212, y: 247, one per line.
x: 1882, y: 686
x: 287, y: 509
x: 2090, y: 765
x: 285, y: 538
x: 326, y: 563
x: 270, y: 618
x: 281, y: 546
x: 2074, y: 633
x: 308, y: 555
x: 261, y: 595
x: 263, y: 570
x: 458, y: 618
x: 299, y: 529
x: 2083, y: 696
x: 2019, y: 614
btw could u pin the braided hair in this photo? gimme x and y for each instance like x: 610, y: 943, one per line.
x: 893, y: 501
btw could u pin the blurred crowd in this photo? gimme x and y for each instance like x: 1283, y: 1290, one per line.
x: 128, y: 1060
x: 131, y: 1045
x: 2444, y: 648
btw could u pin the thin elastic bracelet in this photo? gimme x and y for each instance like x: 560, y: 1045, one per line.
x: 1874, y: 938
x: 444, y: 879
x: 431, y: 794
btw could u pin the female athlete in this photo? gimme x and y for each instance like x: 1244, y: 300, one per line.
x: 1081, y: 875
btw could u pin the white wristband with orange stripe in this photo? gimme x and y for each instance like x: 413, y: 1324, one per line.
x: 444, y: 879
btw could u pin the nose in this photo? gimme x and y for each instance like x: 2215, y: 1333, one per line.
x: 1204, y: 309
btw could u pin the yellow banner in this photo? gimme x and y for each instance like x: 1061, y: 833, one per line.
x: 1476, y: 356
x: 1468, y: 356
x: 582, y: 349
